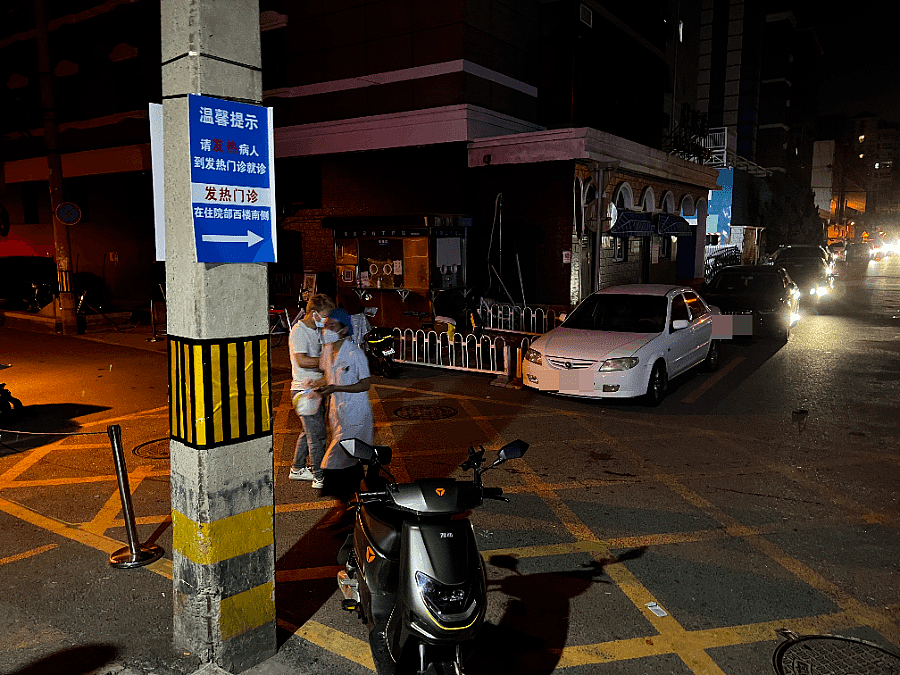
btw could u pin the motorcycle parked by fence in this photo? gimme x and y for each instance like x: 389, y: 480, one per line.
x: 412, y: 570
x: 378, y: 344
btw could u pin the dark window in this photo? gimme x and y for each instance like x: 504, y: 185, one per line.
x: 679, y: 309
x: 620, y: 248
x: 665, y: 246
x: 697, y: 306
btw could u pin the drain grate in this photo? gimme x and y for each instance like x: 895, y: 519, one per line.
x: 827, y: 654
x: 425, y: 412
x: 155, y: 449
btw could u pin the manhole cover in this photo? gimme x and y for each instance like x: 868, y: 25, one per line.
x: 425, y: 412
x: 833, y: 654
x: 157, y: 449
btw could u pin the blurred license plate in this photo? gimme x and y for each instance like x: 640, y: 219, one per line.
x: 576, y: 381
x: 389, y: 351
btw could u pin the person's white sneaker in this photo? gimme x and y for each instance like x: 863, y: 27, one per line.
x: 317, y: 484
x: 302, y: 474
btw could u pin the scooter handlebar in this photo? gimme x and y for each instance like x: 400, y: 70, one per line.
x: 377, y: 496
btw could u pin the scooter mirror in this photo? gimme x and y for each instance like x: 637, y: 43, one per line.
x: 358, y: 449
x: 512, y: 450
x: 383, y: 454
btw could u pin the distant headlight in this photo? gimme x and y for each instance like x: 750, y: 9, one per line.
x: 821, y: 291
x: 618, y: 364
x: 533, y: 355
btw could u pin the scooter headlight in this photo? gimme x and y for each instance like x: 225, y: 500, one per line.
x: 444, y: 601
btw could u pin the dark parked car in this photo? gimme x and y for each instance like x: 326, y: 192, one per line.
x: 27, y: 282
x: 763, y: 293
x: 799, y: 252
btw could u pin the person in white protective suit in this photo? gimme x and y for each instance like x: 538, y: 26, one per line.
x: 346, y: 381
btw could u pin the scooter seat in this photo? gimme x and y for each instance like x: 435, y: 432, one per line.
x: 383, y: 527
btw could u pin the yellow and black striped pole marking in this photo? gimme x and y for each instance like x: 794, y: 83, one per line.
x: 223, y: 542
x: 220, y: 390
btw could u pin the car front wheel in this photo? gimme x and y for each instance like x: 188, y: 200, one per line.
x: 656, y: 386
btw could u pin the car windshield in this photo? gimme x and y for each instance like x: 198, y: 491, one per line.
x: 620, y: 313
x: 746, y: 282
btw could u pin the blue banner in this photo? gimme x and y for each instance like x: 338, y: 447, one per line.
x: 232, y: 180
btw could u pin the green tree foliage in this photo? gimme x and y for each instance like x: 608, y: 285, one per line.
x: 787, y: 211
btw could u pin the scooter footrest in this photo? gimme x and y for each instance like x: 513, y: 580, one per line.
x: 349, y: 605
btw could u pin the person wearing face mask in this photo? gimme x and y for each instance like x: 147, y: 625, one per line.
x: 346, y: 381
x: 305, y: 347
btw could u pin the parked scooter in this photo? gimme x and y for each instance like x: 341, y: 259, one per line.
x: 413, y: 572
x: 379, y: 347
x: 10, y: 406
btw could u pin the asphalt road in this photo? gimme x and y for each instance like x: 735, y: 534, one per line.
x: 729, y: 507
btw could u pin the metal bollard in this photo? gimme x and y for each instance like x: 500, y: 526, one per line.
x: 134, y: 555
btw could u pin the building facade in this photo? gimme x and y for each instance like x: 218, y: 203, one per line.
x: 483, y: 147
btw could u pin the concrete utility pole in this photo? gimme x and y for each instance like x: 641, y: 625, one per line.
x: 54, y: 164
x: 222, y: 471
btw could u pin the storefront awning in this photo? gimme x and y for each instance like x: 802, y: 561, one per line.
x: 673, y: 225
x: 632, y: 224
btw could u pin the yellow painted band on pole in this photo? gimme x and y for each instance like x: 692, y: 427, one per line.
x: 220, y: 390
x: 216, y: 389
x: 187, y: 403
x: 247, y: 610
x: 266, y: 408
x: 248, y: 383
x: 199, y: 397
x: 173, y: 391
x: 210, y: 543
x: 233, y: 390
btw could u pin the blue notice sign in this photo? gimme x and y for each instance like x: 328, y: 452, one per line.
x: 232, y: 180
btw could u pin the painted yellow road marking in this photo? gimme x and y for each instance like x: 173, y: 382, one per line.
x: 673, y: 638
x: 713, y: 379
x: 28, y: 461
x: 27, y: 554
x: 351, y: 648
x: 106, y: 516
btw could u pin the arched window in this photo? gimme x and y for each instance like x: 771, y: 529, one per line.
x: 667, y: 205
x: 648, y: 200
x: 623, y: 197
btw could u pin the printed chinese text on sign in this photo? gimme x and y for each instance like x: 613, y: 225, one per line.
x: 232, y: 187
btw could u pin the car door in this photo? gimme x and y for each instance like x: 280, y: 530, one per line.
x: 700, y: 328
x: 681, y: 342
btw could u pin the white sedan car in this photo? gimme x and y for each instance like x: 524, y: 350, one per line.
x: 623, y: 342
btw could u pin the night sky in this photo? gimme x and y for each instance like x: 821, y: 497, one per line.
x: 861, y: 68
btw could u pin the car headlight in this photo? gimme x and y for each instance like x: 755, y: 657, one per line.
x: 821, y: 290
x: 533, y: 355
x: 618, y: 364
x: 442, y: 600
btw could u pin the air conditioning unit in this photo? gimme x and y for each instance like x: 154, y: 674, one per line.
x: 586, y: 16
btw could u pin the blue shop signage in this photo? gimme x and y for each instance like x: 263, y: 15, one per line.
x: 232, y: 180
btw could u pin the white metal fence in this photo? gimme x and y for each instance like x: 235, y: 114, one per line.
x: 499, y: 356
x: 533, y: 320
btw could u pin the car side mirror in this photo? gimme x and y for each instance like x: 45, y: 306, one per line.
x: 680, y: 324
